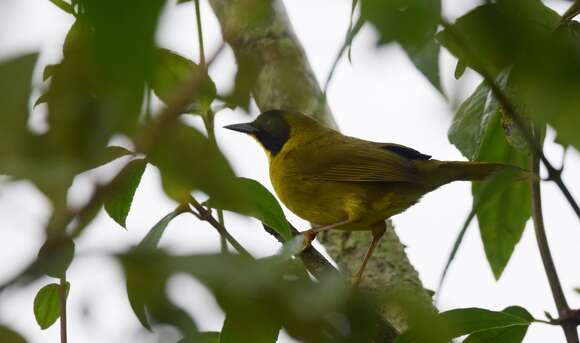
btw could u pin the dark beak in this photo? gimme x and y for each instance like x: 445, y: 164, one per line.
x: 244, y: 127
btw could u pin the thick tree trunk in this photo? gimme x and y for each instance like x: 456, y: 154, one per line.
x: 260, y: 30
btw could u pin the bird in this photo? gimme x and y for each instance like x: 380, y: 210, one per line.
x: 345, y: 183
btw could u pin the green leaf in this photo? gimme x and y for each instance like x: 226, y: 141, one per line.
x: 64, y: 6
x: 47, y: 304
x: 151, y: 240
x: 510, y: 334
x: 258, y: 203
x: 411, y: 23
x: 199, y: 166
x: 238, y: 328
x: 502, y: 219
x: 119, y: 203
x: 10, y: 336
x: 472, y: 120
x: 172, y: 72
x: 459, y: 322
x: 55, y: 255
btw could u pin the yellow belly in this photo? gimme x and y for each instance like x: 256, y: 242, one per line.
x: 329, y: 202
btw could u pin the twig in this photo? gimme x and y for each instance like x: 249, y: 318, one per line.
x: 62, y: 309
x: 199, y: 34
x: 554, y: 174
x: 573, y: 11
x: 553, y: 279
x: 205, y: 215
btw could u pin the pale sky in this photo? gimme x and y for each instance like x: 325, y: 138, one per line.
x: 380, y: 96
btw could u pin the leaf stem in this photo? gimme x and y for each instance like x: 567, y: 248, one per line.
x: 554, y: 174
x: 62, y: 309
x: 205, y: 215
x: 553, y: 279
x: 199, y: 34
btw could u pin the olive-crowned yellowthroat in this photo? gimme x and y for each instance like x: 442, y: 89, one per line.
x: 345, y: 183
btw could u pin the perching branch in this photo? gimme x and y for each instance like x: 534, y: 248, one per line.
x: 554, y: 174
x: 568, y: 326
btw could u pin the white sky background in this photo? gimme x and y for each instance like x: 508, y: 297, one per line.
x: 380, y: 96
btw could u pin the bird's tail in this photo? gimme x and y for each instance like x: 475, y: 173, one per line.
x: 449, y: 171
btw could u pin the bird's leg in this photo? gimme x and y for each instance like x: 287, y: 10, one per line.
x: 377, y: 232
x: 310, y: 235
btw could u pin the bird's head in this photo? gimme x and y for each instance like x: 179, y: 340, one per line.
x: 274, y: 128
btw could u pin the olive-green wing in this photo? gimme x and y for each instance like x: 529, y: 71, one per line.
x: 347, y: 159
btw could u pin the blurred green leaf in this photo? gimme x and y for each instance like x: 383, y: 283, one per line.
x: 494, y: 36
x: 239, y: 328
x: 151, y: 240
x: 459, y: 69
x: 146, y: 281
x: 510, y: 334
x: 56, y: 254
x: 277, y: 289
x: 411, y: 23
x: 172, y: 72
x: 15, y: 87
x: 199, y: 166
x: 546, y: 82
x: 48, y: 71
x: 203, y: 337
x: 118, y: 204
x: 124, y: 52
x: 64, y: 6
x: 245, y: 79
x: 502, y: 219
x: 47, y: 305
x: 258, y: 203
x: 426, y: 59
x: 459, y: 322
x: 10, y: 336
x: 110, y: 154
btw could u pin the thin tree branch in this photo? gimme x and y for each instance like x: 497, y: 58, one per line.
x: 199, y: 34
x: 205, y: 215
x: 549, y: 266
x: 572, y: 11
x: 554, y: 174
